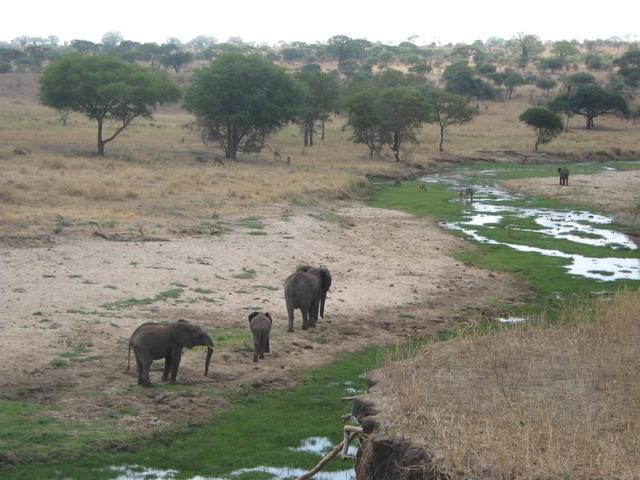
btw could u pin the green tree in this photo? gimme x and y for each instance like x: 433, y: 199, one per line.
x: 366, y: 121
x: 238, y: 100
x: 404, y: 111
x: 112, y: 39
x: 629, y: 65
x: 320, y: 93
x: 511, y: 81
x: 459, y: 79
x: 551, y: 63
x: 175, y: 59
x: 105, y: 89
x: 447, y: 109
x: 547, y: 124
x: 546, y: 84
x: 590, y: 101
x: 564, y: 49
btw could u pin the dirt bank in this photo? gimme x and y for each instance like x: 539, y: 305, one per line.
x: 73, y: 303
x: 615, y: 192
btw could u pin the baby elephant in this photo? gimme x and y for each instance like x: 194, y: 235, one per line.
x: 260, y: 326
x: 152, y: 341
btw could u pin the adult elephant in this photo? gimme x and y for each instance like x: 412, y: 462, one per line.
x: 563, y: 172
x: 307, y: 289
x: 152, y: 341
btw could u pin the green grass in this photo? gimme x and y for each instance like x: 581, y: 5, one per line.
x: 139, y: 302
x: 247, y: 273
x: 547, y: 274
x: 254, y: 223
x: 257, y: 430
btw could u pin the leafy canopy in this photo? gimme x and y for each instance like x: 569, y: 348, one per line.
x: 106, y: 89
x: 547, y: 124
x: 239, y: 100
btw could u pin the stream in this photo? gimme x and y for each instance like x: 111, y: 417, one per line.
x: 494, y: 209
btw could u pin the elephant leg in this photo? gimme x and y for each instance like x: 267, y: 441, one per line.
x: 139, y: 368
x: 290, y: 311
x: 313, y: 314
x: 305, y: 319
x: 256, y: 349
x: 262, y: 349
x: 176, y: 355
x: 167, y: 368
x: 146, y: 366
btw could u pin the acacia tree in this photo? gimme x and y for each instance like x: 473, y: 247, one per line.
x: 404, y: 111
x: 547, y: 125
x: 590, y: 101
x: 106, y: 89
x: 448, y: 109
x: 365, y: 120
x: 546, y: 84
x: 238, y: 100
x: 319, y: 100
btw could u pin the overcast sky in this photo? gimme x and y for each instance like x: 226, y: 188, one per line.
x: 264, y: 21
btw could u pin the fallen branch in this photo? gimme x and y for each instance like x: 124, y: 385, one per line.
x: 349, y: 399
x: 329, y: 456
x: 350, y: 432
x: 119, y: 237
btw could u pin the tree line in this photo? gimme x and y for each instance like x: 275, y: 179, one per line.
x: 239, y: 99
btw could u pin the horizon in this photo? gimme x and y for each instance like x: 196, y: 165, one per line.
x: 440, y: 24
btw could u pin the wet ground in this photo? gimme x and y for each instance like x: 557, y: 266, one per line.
x: 494, y: 209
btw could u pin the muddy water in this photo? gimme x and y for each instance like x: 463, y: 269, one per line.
x: 493, y: 208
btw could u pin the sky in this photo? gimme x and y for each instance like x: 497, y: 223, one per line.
x: 269, y: 22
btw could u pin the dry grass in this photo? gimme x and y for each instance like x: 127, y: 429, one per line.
x: 152, y: 174
x: 529, y: 402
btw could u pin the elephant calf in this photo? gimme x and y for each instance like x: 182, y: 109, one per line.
x: 152, y: 341
x: 260, y: 326
x: 564, y: 176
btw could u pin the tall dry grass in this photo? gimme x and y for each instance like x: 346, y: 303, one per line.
x: 529, y: 402
x: 152, y: 173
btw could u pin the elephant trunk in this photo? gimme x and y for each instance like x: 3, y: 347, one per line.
x: 322, y: 299
x: 209, y: 344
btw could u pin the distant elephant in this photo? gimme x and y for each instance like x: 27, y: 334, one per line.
x: 307, y: 289
x: 152, y: 341
x: 564, y: 176
x: 260, y: 326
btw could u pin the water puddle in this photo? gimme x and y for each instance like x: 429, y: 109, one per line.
x: 137, y: 472
x: 319, y: 446
x: 495, y: 209
x: 314, y: 445
x: 512, y: 319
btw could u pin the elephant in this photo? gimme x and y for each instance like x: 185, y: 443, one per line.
x: 260, y: 326
x: 564, y: 176
x: 152, y: 341
x: 307, y: 289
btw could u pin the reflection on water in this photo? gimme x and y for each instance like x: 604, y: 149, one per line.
x: 137, y: 472
x: 319, y: 446
x: 493, y: 209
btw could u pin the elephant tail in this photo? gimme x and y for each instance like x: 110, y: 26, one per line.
x: 129, y: 359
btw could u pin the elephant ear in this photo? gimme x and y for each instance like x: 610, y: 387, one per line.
x: 252, y: 315
x: 325, y: 277
x: 183, y: 335
x: 303, y: 268
x: 268, y: 315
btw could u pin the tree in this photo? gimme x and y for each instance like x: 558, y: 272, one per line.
x: 404, y: 111
x: 448, y: 109
x: 175, y: 59
x: 590, y: 101
x: 365, y: 120
x: 564, y: 48
x: 547, y: 125
x: 529, y: 46
x: 112, y: 39
x: 551, y: 63
x: 319, y: 100
x: 511, y: 81
x: 629, y: 65
x: 459, y: 79
x: 238, y: 100
x: 546, y: 84
x: 106, y: 89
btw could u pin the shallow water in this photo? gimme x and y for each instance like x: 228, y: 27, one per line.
x: 137, y: 472
x: 494, y: 208
x: 319, y: 446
